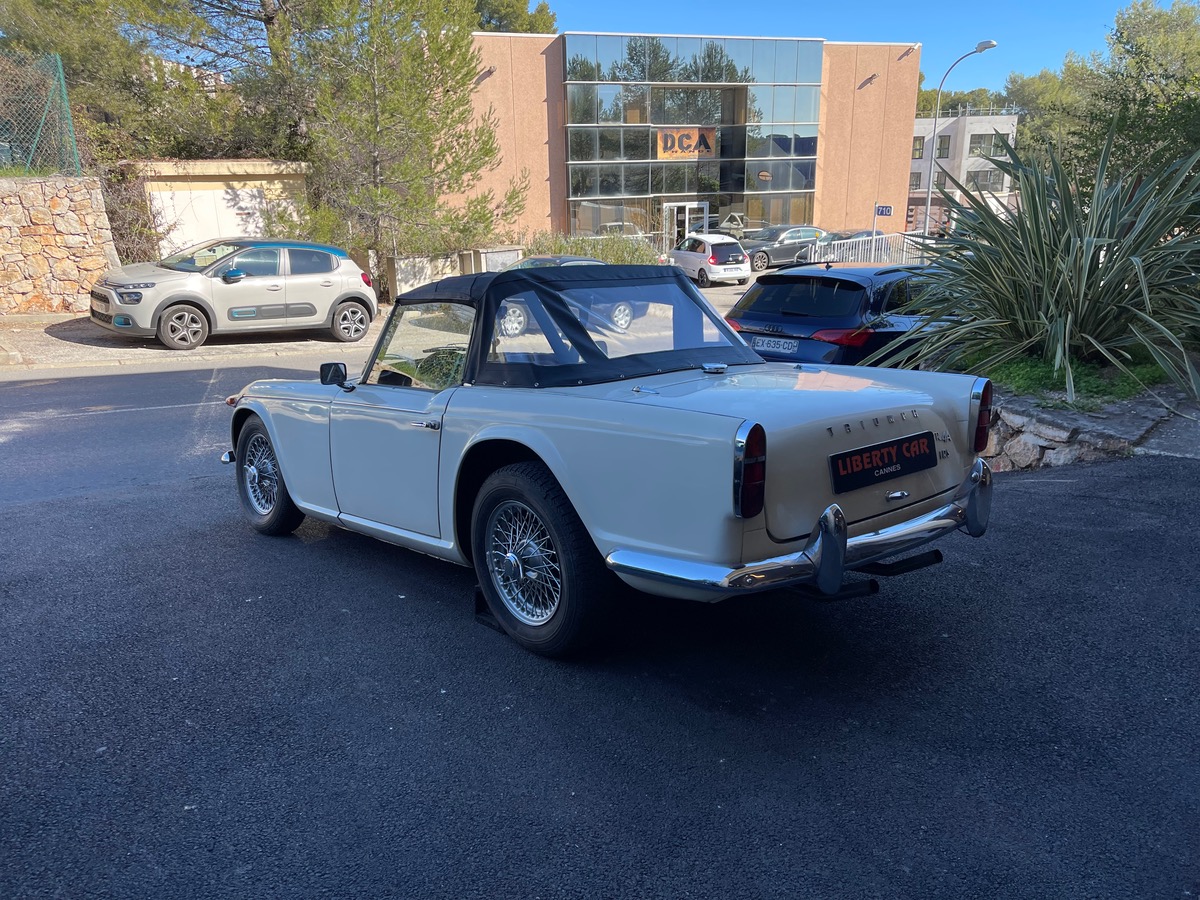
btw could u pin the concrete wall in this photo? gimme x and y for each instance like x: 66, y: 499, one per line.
x: 526, y: 93
x: 198, y: 200
x: 55, y: 242
x: 864, y: 142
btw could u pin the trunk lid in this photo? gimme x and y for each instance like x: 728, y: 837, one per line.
x: 818, y: 418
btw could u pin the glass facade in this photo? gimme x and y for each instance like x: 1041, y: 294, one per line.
x: 654, y: 121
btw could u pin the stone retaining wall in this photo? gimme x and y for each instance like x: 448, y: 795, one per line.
x: 1027, y: 436
x: 55, y: 242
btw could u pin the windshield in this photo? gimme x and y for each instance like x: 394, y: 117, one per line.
x: 201, y: 256
x: 817, y: 297
x: 580, y: 330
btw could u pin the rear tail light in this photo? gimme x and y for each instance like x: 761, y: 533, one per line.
x: 366, y: 279
x: 733, y: 323
x: 750, y: 471
x: 984, y: 420
x: 712, y: 260
x: 844, y: 337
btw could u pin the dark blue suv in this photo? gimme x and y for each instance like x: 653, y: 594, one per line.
x: 828, y: 312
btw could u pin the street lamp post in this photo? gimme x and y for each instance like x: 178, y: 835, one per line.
x: 937, y: 104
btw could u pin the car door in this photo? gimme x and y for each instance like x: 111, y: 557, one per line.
x: 254, y: 300
x: 311, y: 285
x: 385, y: 435
x: 687, y: 256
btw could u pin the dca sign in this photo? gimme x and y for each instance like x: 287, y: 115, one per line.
x: 687, y: 143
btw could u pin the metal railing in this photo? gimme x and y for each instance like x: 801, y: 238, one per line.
x: 36, y: 132
x: 884, y: 249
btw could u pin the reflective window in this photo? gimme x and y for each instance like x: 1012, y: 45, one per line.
x: 609, y: 103
x: 637, y: 179
x: 580, y: 53
x: 804, y: 174
x: 581, y: 144
x: 914, y: 181
x: 784, y: 109
x: 581, y: 104
x: 786, y: 55
x: 760, y: 104
x: 805, y: 142
x: 689, y: 59
x: 610, y: 54
x: 918, y: 148
x: 762, y: 66
x: 661, y: 59
x: 610, y: 180
x: 637, y: 143
x: 740, y: 54
x: 610, y: 143
x: 808, y: 104
x: 811, y: 57
x: 584, y: 181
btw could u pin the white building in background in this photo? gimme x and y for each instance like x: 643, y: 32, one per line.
x: 966, y: 141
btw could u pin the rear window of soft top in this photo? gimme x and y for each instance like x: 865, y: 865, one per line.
x: 817, y: 297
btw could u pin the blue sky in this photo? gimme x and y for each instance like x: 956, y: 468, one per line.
x: 1031, y: 35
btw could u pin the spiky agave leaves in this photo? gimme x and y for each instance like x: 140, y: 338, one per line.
x: 1083, y: 269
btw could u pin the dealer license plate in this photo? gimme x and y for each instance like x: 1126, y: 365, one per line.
x: 865, y: 466
x: 778, y: 345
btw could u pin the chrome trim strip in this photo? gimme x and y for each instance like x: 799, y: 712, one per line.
x: 829, y: 554
x: 739, y: 464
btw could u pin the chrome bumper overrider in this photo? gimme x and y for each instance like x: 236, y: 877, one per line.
x: 829, y: 553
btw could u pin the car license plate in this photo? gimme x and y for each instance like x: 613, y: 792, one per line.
x: 865, y: 466
x: 778, y: 345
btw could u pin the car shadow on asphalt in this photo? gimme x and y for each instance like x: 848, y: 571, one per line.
x: 717, y: 653
x: 83, y: 332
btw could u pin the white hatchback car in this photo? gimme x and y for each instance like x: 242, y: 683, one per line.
x: 237, y: 285
x: 712, y: 257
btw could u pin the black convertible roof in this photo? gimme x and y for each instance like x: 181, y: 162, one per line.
x: 472, y: 288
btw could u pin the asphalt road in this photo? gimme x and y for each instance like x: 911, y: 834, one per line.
x: 189, y: 709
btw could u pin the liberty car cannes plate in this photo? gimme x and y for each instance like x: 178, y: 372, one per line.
x: 865, y: 466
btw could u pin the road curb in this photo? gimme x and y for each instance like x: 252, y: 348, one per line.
x: 9, y: 357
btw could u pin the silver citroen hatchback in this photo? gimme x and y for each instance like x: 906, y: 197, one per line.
x: 235, y: 285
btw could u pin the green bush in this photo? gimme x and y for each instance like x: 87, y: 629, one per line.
x: 1100, y: 271
x: 617, y: 249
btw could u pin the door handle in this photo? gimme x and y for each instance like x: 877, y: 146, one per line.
x: 274, y: 287
x: 326, y: 284
x: 432, y: 426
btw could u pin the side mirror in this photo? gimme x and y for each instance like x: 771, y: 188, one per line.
x: 335, y: 373
x: 232, y: 276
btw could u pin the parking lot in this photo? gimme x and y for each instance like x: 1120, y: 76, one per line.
x: 191, y: 709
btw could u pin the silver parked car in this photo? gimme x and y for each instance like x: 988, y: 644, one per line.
x: 236, y: 285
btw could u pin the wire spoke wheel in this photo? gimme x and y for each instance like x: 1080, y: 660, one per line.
x: 523, y: 563
x: 260, y: 473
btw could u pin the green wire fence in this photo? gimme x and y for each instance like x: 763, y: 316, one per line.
x: 36, y: 132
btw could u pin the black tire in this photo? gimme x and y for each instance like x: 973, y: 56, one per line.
x: 702, y: 278
x: 183, y: 327
x: 543, y: 617
x: 265, y: 499
x: 743, y: 280
x: 622, y: 315
x: 759, y: 261
x: 351, y: 320
x: 515, y: 322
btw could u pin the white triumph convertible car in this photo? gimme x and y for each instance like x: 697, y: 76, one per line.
x: 665, y: 453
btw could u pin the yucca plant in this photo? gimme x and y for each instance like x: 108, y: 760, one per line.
x: 1082, y: 271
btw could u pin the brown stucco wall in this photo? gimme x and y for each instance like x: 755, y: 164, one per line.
x: 864, y: 142
x: 525, y: 92
x: 55, y: 242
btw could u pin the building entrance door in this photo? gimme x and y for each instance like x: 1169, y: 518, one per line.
x: 682, y: 219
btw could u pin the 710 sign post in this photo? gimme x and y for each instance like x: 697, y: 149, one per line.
x: 879, y: 211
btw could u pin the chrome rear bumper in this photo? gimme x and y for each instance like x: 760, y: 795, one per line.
x: 830, y: 553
